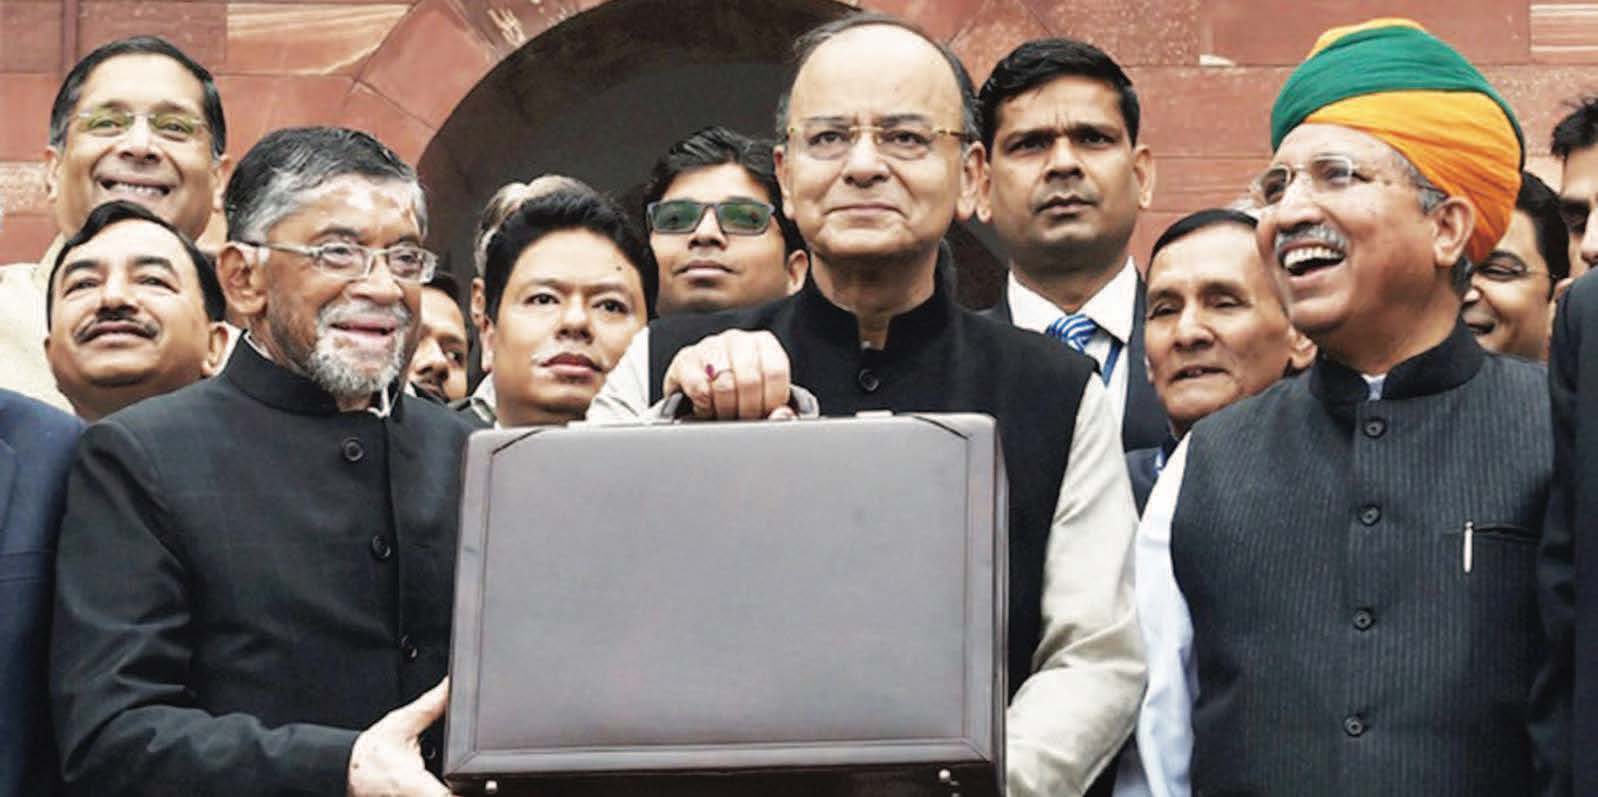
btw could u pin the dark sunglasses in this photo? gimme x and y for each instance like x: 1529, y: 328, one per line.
x: 736, y: 216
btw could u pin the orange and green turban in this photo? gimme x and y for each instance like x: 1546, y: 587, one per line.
x: 1393, y: 80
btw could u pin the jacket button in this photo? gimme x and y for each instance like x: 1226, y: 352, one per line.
x: 869, y: 381
x: 1370, y: 515
x: 407, y: 649
x: 381, y: 550
x: 429, y: 751
x: 1363, y: 619
x: 1375, y: 427
x: 1353, y: 726
x: 352, y: 450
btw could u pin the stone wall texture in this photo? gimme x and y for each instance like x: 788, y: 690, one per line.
x: 1205, y: 69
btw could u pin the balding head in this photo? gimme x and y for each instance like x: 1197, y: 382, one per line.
x: 878, y: 157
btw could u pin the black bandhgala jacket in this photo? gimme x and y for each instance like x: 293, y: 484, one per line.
x: 247, y: 578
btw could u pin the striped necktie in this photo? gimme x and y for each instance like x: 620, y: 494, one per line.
x: 1075, y: 329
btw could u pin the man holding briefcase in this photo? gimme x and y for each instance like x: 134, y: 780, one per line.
x: 873, y: 185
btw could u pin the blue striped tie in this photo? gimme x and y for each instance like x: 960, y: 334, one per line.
x: 1075, y: 329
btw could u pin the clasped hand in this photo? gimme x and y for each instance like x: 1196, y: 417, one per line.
x: 734, y: 375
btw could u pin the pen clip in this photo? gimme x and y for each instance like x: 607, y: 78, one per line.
x: 1470, y: 534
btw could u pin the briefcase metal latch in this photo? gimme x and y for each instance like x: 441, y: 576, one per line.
x: 947, y: 778
x: 491, y: 787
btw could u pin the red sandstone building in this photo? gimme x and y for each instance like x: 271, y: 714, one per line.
x: 479, y: 92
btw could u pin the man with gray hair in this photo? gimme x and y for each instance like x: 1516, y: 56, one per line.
x: 880, y: 155
x: 291, y: 522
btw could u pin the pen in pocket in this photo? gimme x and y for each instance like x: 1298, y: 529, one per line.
x: 1470, y: 533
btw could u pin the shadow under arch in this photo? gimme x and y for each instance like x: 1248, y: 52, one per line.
x: 603, y: 94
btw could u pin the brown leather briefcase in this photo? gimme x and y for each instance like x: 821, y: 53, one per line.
x: 810, y: 607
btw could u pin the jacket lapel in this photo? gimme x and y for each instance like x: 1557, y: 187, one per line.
x: 8, y: 481
x: 1144, y: 424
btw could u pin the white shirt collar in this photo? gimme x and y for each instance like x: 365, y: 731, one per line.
x: 1110, y: 308
x: 1375, y: 384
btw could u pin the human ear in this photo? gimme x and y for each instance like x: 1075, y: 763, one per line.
x: 1143, y: 172
x: 243, y: 284
x: 1452, y: 221
x: 972, y: 168
x: 798, y: 266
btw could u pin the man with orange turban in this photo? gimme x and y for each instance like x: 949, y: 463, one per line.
x: 1336, y: 577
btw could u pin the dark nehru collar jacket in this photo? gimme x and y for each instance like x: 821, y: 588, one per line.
x: 247, y: 578
x: 1361, y: 579
x: 939, y: 358
x: 36, y: 445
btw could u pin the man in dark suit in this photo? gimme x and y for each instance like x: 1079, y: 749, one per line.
x: 36, y: 443
x: 257, y: 567
x: 1568, y: 570
x: 1062, y: 183
x: 1567, y: 574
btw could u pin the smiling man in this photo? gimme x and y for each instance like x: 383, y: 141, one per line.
x: 1336, y: 576
x: 134, y: 311
x: 135, y: 120
x: 564, y: 291
x: 1063, y: 182
x: 717, y: 228
x: 1218, y: 330
x: 291, y: 522
x: 1510, y: 304
x: 880, y: 155
x: 438, y: 368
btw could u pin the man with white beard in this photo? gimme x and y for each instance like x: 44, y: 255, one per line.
x: 255, y: 568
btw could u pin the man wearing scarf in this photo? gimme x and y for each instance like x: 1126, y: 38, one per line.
x: 1336, y: 577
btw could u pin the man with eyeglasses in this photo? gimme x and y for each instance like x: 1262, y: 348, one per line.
x: 1510, y: 304
x: 135, y: 120
x: 880, y: 154
x: 1336, y: 576
x: 255, y: 573
x: 720, y: 239
x: 1063, y: 183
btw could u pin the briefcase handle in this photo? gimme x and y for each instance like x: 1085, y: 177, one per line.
x: 676, y: 406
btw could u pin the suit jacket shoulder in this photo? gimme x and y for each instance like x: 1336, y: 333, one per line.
x: 36, y: 449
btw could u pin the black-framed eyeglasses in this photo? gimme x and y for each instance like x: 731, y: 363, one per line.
x: 110, y: 122
x: 406, y: 262
x: 736, y: 216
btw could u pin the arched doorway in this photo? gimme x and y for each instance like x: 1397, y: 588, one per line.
x: 601, y: 95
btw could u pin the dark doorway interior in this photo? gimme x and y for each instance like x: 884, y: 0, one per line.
x: 602, y: 95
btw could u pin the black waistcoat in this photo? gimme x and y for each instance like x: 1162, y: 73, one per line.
x: 1319, y: 540
x: 939, y: 358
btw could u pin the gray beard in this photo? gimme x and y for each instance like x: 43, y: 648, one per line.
x: 328, y: 369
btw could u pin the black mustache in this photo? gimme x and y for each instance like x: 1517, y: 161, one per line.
x: 121, y: 316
